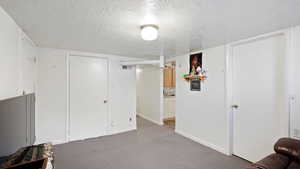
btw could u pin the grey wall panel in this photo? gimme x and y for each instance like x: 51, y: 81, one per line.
x: 30, y: 123
x: 16, y: 128
x: 31, y: 104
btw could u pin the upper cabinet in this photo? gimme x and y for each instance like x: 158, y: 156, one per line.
x: 170, y: 76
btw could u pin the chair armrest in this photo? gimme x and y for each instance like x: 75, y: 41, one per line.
x: 272, y: 161
x: 289, y: 147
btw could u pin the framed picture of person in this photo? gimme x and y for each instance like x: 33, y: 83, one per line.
x: 195, y: 64
x: 195, y: 70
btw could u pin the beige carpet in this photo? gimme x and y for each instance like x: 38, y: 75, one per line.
x: 150, y: 147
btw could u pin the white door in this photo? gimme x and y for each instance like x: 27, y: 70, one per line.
x: 88, y: 94
x: 258, y: 87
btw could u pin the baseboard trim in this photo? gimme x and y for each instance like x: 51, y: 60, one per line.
x: 149, y: 119
x: 57, y: 142
x: 203, y: 142
x: 113, y: 132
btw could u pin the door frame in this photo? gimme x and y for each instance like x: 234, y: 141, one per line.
x: 168, y: 60
x: 288, y: 57
x: 69, y: 55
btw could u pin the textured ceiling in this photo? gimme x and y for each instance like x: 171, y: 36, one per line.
x: 113, y: 26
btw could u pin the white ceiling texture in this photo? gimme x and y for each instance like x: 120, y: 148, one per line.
x: 113, y: 26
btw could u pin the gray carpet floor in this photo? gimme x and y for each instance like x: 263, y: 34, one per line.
x: 149, y: 147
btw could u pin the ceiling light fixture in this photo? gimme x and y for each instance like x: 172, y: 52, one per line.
x: 149, y: 32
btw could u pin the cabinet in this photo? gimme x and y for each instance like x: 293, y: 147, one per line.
x: 169, y: 77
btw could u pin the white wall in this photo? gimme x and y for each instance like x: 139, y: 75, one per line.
x: 17, y: 52
x: 122, y: 103
x: 202, y: 115
x: 148, y: 93
x: 29, y: 67
x: 52, y: 104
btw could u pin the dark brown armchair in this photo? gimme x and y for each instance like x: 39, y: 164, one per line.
x: 287, y: 156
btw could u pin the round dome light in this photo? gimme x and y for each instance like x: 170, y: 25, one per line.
x: 149, y: 32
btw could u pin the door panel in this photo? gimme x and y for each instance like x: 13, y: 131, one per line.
x: 88, y: 91
x: 259, y: 93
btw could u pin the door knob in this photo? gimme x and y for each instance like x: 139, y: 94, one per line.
x: 105, y: 101
x: 235, y: 106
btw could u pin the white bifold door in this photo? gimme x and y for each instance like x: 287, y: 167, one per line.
x: 260, y: 116
x: 88, y: 83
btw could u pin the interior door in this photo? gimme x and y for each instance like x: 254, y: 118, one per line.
x: 88, y: 94
x: 259, y: 94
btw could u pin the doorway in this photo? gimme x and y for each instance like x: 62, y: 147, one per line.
x: 169, y: 118
x: 260, y: 113
x: 88, y: 86
x: 148, y: 93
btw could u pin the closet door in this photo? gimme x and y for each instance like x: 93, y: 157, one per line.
x: 260, y: 116
x: 88, y: 94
